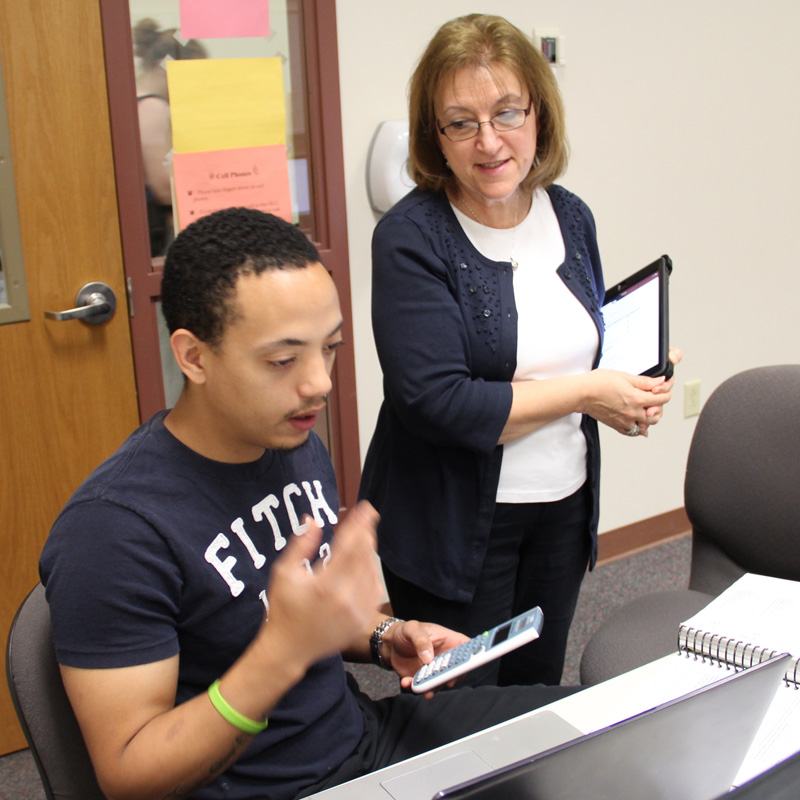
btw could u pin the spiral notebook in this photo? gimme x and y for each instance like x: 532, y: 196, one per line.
x: 749, y: 622
x: 752, y: 620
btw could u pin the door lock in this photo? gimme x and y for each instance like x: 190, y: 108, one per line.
x: 95, y: 303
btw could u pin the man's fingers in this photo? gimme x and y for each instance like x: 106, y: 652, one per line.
x: 305, y: 546
x: 411, y: 640
x: 354, y: 542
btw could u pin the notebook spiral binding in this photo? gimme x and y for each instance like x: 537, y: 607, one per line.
x: 730, y: 653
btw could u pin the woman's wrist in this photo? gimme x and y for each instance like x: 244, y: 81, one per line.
x: 584, y: 396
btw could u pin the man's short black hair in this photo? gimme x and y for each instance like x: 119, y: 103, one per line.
x: 206, y: 259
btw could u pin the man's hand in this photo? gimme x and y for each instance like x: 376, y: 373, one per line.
x: 322, y: 609
x: 410, y: 645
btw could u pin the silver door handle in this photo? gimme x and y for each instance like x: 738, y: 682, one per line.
x: 95, y: 303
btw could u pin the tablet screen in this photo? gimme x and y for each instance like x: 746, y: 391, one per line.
x: 635, y: 317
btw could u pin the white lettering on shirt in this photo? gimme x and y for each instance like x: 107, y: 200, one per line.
x: 297, y: 528
x: 325, y: 553
x: 225, y: 568
x: 318, y: 503
x: 324, y: 557
x: 264, y: 509
x: 237, y: 526
x: 262, y: 596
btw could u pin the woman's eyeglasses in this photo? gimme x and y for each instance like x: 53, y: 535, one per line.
x: 507, y: 120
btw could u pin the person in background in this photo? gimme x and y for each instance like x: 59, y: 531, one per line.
x: 201, y: 602
x: 154, y: 47
x: 487, y: 289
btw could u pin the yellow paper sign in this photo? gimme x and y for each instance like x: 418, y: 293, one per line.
x: 255, y: 177
x: 226, y: 103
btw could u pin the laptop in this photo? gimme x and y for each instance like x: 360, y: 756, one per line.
x: 689, y: 748
x: 420, y: 777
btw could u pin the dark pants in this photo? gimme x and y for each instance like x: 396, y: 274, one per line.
x: 406, y: 725
x: 537, y: 556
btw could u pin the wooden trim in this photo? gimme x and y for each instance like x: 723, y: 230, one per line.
x: 325, y: 121
x: 129, y: 172
x: 639, y: 536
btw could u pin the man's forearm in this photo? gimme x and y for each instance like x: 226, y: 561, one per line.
x: 166, y: 750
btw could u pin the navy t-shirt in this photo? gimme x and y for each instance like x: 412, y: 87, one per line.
x: 163, y: 552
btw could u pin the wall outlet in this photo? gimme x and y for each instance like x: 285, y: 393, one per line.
x: 691, y: 399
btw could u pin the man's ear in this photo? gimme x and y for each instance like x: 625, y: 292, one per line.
x: 188, y: 351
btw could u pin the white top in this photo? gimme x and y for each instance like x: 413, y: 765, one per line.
x: 555, y: 337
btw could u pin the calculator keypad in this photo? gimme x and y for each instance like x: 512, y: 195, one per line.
x: 452, y: 658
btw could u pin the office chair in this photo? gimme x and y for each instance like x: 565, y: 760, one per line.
x: 43, y: 708
x: 742, y: 497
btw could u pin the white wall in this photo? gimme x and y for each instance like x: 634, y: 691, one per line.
x: 683, y: 121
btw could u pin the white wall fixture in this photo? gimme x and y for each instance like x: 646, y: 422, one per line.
x: 387, y: 179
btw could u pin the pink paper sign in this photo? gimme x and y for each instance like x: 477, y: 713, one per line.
x: 218, y: 19
x: 254, y: 177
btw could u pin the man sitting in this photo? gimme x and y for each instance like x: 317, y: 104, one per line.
x: 201, y: 605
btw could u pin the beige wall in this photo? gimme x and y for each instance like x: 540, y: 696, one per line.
x: 683, y: 120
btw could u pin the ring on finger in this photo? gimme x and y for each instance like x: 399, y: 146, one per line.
x: 634, y: 431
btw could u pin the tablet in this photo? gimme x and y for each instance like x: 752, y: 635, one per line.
x: 636, y: 318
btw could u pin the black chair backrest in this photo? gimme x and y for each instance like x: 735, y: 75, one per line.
x: 43, y: 708
x: 742, y: 490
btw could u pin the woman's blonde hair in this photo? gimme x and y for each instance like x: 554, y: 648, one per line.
x: 482, y: 40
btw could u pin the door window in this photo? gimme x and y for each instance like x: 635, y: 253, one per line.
x: 228, y: 131
x: 13, y: 292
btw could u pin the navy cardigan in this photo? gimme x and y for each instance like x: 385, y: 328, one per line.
x: 445, y: 326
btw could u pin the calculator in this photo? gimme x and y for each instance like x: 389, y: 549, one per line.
x: 485, y: 647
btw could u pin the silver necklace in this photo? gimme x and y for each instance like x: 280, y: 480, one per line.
x: 514, y: 262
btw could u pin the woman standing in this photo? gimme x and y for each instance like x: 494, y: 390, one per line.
x: 487, y: 289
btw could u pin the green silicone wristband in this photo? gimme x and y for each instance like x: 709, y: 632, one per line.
x: 240, y: 721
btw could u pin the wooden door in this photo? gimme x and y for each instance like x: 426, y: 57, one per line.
x: 67, y: 390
